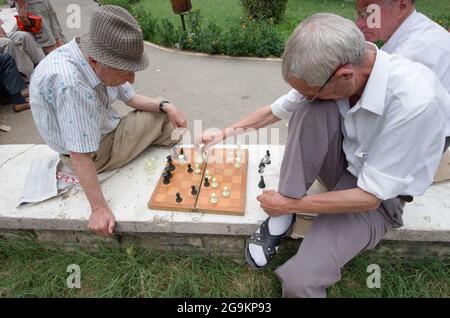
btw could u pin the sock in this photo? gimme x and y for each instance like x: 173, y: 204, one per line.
x: 277, y: 226
x: 18, y: 99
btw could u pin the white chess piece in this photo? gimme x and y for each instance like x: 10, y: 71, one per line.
x: 214, y: 183
x: 181, y: 159
x: 207, y: 175
x: 237, y: 163
x: 197, y: 168
x: 226, y: 192
x: 214, y: 198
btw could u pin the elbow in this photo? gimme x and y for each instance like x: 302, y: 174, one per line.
x: 373, y: 203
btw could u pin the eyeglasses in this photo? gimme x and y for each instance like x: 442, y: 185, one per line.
x: 323, y: 86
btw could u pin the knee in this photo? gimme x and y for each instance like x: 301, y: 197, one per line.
x: 302, y: 286
x: 6, y: 44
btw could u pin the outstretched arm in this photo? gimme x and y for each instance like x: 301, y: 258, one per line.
x: 258, y: 119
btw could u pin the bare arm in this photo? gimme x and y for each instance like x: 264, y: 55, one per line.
x: 147, y: 104
x: 345, y: 201
x: 22, y: 7
x: 101, y: 220
x: 258, y: 119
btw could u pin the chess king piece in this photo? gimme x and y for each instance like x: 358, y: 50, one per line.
x: 206, y: 184
x: 189, y: 170
x: 261, y: 183
x: 214, y: 183
x: 197, y: 168
x: 214, y: 198
x: 226, y: 192
x: 194, y: 190
x: 179, y: 198
x: 237, y: 163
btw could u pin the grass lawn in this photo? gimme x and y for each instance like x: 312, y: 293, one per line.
x: 28, y: 269
x: 229, y: 12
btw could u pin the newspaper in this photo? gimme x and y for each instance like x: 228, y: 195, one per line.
x: 48, y: 177
x: 7, y: 16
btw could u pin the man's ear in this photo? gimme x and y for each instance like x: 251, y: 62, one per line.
x: 345, y: 73
x: 404, y: 8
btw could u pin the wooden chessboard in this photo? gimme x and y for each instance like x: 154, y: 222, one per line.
x: 220, y: 163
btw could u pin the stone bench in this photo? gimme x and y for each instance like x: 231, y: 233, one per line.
x: 64, y: 218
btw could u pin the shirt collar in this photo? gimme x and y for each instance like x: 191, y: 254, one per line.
x: 394, y: 40
x: 83, y: 64
x: 374, y: 95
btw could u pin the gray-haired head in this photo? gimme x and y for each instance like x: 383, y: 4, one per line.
x: 319, y: 45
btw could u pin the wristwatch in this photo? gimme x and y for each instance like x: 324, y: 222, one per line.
x: 161, y: 105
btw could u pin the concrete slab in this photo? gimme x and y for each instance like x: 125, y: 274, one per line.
x: 127, y: 192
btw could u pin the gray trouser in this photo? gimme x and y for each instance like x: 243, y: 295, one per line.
x: 29, y: 45
x: 23, y: 61
x: 314, y: 151
x: 51, y: 28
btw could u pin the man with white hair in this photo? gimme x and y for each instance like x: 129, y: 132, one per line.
x: 72, y: 91
x: 371, y: 127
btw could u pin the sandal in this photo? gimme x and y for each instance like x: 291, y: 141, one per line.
x: 267, y: 241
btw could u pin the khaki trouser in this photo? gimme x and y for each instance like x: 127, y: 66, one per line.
x: 134, y: 134
x: 29, y: 45
x: 23, y: 61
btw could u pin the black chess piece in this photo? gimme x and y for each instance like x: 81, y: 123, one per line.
x: 181, y: 151
x: 169, y: 172
x: 189, y: 170
x: 194, y: 190
x: 206, y: 184
x: 261, y: 170
x: 179, y: 198
x: 170, y: 165
x: 166, y: 178
x: 261, y: 183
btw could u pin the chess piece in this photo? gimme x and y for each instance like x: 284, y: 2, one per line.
x: 181, y: 156
x: 262, y: 166
x: 197, y: 168
x: 170, y: 165
x: 206, y: 184
x: 189, y: 170
x: 179, y: 198
x: 237, y: 163
x: 169, y: 172
x: 166, y: 177
x: 261, y: 183
x: 266, y: 160
x: 214, y: 198
x: 214, y: 183
x: 207, y: 174
x: 226, y: 192
x: 194, y: 190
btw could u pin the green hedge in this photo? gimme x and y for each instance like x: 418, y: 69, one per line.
x: 265, y: 9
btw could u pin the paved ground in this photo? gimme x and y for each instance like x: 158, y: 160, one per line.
x: 217, y: 90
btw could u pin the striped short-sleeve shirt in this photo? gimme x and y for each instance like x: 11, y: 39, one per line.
x: 70, y: 105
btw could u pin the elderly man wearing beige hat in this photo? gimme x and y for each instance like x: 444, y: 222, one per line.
x: 71, y: 95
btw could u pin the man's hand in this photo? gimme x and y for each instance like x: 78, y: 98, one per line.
x: 274, y: 204
x: 211, y: 137
x: 176, y: 116
x: 102, y: 221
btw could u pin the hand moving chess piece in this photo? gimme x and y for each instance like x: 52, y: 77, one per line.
x: 261, y: 183
x: 194, y: 190
x: 179, y: 198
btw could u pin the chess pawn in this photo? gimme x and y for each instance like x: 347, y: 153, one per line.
x: 237, y: 163
x: 206, y: 184
x: 197, y: 168
x: 207, y: 174
x: 194, y: 190
x: 261, y: 183
x: 189, y: 170
x: 226, y: 192
x: 214, y: 183
x: 214, y: 198
x: 181, y: 159
x: 179, y: 198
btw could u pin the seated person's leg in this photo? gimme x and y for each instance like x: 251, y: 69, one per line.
x: 314, y: 148
x: 29, y: 45
x: 12, y: 81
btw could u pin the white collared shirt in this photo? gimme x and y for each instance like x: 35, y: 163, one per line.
x: 394, y: 135
x: 71, y: 107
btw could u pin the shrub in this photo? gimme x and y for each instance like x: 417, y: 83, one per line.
x: 148, y: 23
x: 169, y: 35
x: 127, y: 5
x: 443, y: 20
x: 265, y: 9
